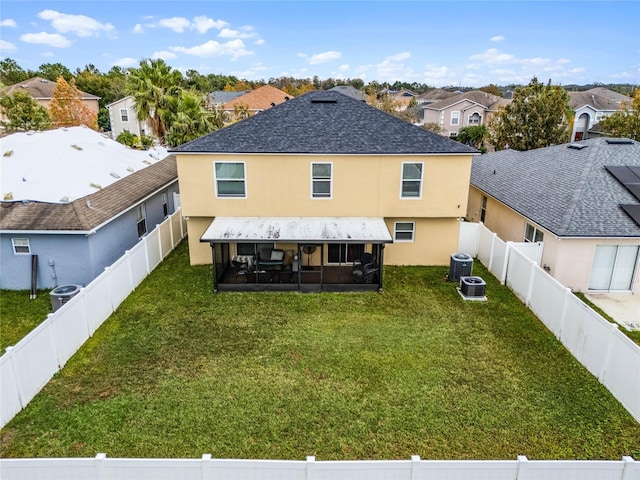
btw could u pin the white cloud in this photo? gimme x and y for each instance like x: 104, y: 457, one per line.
x: 202, y: 24
x: 563, y: 60
x: 493, y: 57
x: 324, y: 57
x: 164, y: 55
x: 497, y: 38
x: 243, y: 32
x: 177, y: 24
x: 344, y: 67
x: 260, y: 41
x: 81, y: 25
x: 43, y: 38
x: 138, y: 28
x: 233, y: 49
x: 7, y: 46
x: 577, y: 70
x: 126, y: 62
x: 392, y: 68
x: 9, y: 22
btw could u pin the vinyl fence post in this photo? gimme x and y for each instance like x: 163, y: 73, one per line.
x: 493, y: 242
x: 523, y: 467
x: 607, y: 354
x: 563, y: 315
x: 206, y: 466
x: 532, y: 271
x: 627, y: 470
x: 100, y: 461
x: 311, y: 467
x: 505, y: 267
x: 415, y: 466
x: 16, y: 378
x: 54, y: 339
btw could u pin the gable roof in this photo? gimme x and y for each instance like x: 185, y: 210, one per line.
x: 349, y: 91
x: 487, y: 100
x: 324, y: 122
x: 93, y: 210
x: 60, y: 165
x: 42, y: 89
x: 261, y: 98
x: 221, y: 97
x: 435, y: 95
x: 564, y: 189
x: 599, y: 99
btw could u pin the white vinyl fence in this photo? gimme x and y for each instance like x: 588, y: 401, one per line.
x: 595, y: 342
x: 206, y: 468
x: 27, y: 367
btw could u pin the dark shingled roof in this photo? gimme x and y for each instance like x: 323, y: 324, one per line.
x: 565, y: 190
x: 324, y: 122
x: 89, y: 212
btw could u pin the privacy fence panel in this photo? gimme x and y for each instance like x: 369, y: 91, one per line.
x: 120, y: 280
x: 139, y: 265
x: 154, y: 253
x: 97, y: 301
x: 11, y: 403
x: 519, y: 274
x: 70, y: 328
x: 621, y: 372
x: 547, y: 299
x: 166, y: 245
x: 468, y: 243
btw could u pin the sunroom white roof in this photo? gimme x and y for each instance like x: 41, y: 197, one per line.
x: 298, y: 230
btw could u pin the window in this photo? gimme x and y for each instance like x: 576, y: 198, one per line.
x: 483, y: 210
x: 532, y: 234
x: 411, y: 180
x: 230, y: 179
x: 124, y: 115
x: 455, y: 118
x: 165, y: 205
x: 404, y: 231
x: 141, y: 214
x: 21, y: 246
x: 321, y: 180
x: 344, y: 252
x: 251, y: 248
x: 474, y: 119
x: 613, y: 267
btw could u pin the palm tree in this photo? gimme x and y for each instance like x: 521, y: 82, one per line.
x: 153, y: 86
x: 187, y: 119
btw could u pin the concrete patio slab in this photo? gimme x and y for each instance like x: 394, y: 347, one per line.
x: 624, y: 308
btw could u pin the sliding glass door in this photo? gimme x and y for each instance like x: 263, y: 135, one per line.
x: 613, y: 267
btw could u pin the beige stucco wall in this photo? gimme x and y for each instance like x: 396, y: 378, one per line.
x: 569, y: 259
x: 363, y: 186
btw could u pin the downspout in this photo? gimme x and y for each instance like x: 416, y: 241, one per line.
x: 34, y: 277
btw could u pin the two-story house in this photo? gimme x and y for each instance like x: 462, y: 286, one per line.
x: 591, y: 106
x: 464, y: 110
x: 315, y: 185
x: 254, y: 101
x: 41, y: 90
x: 123, y: 116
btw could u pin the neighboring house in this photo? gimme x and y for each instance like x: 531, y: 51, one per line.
x: 350, y: 91
x: 262, y: 98
x: 591, y: 106
x: 41, y: 90
x: 78, y: 201
x: 567, y: 197
x: 123, y: 116
x: 435, y: 95
x: 221, y: 97
x: 402, y: 97
x: 463, y: 110
x: 323, y: 178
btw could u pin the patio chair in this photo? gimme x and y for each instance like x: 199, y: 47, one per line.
x: 241, y: 269
x: 364, y: 269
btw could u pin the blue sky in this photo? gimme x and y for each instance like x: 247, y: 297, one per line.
x: 471, y: 43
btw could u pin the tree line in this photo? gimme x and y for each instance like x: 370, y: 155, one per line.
x: 177, y: 109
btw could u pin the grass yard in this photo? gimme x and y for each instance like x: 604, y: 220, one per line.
x: 178, y: 372
x: 19, y: 315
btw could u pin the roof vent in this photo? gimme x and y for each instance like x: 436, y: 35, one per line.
x: 43, y: 80
x: 65, y: 199
x: 324, y: 100
x: 619, y: 141
x: 130, y: 169
x: 114, y: 175
x: 577, y: 146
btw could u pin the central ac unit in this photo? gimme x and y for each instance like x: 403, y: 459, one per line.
x: 460, y: 265
x: 61, y: 295
x: 472, y: 287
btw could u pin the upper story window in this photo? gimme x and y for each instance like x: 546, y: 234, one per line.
x: 321, y: 180
x: 532, y: 234
x: 455, y: 118
x: 474, y: 119
x: 230, y: 179
x: 411, y: 180
x: 21, y: 246
x: 124, y: 115
x: 404, y: 231
x: 141, y: 220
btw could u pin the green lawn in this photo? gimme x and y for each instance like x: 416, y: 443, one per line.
x: 178, y: 372
x: 19, y: 315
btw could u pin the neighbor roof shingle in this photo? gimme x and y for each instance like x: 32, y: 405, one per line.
x: 565, y: 190
x: 41, y: 89
x: 324, y: 122
x: 91, y: 211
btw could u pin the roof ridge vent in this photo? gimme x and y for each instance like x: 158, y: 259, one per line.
x: 577, y: 146
x: 324, y: 100
x: 619, y: 141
